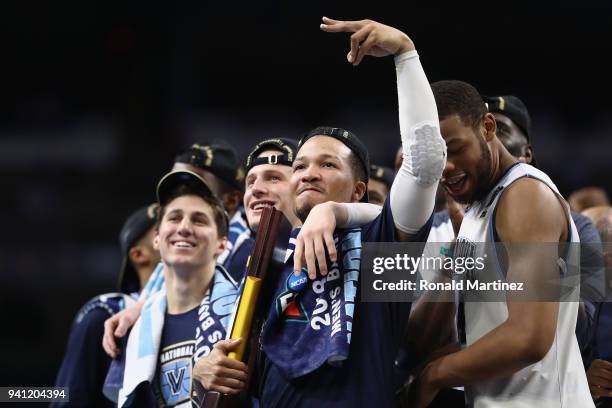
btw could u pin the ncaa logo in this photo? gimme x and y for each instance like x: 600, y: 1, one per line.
x: 297, y: 283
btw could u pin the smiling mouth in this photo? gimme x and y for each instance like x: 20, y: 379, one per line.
x: 183, y: 244
x: 455, y: 184
x: 260, y: 205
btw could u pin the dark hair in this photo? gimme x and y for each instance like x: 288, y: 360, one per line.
x: 357, y: 167
x: 459, y: 98
x: 219, y: 213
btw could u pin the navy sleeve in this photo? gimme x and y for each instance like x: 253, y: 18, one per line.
x: 237, y: 262
x: 85, y: 363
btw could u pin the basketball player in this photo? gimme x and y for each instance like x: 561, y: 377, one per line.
x: 518, y: 354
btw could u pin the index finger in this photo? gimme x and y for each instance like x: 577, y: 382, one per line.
x: 298, y: 255
x: 338, y: 26
x: 228, y: 362
x: 108, y: 339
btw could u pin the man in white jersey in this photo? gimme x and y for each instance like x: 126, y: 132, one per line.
x: 518, y: 354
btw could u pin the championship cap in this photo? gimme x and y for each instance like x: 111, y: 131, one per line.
x: 221, y: 161
x: 286, y: 148
x: 513, y: 108
x: 383, y: 174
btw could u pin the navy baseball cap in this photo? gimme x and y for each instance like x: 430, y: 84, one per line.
x: 514, y: 108
x: 134, y: 228
x: 168, y: 185
x: 221, y: 161
x: 350, y: 140
x: 383, y: 174
x: 287, y: 148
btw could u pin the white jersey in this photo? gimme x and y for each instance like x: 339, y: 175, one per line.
x: 558, y: 380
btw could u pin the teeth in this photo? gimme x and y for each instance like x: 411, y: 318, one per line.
x: 454, y: 180
x: 260, y: 206
x: 183, y: 244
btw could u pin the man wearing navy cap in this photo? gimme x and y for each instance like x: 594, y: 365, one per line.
x: 85, y: 364
x: 381, y: 179
x: 309, y: 359
x: 181, y: 323
x: 220, y: 167
x: 513, y: 125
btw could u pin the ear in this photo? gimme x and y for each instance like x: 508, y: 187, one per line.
x: 222, y: 244
x: 232, y: 200
x: 358, y: 191
x: 528, y: 154
x: 138, y: 255
x: 490, y: 126
x: 156, y: 241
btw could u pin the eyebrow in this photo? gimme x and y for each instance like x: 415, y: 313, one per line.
x: 321, y: 156
x: 180, y: 211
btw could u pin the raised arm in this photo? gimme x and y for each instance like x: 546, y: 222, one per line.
x: 413, y: 191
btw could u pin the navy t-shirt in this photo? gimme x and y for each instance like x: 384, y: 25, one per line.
x: 172, y: 383
x: 366, y: 378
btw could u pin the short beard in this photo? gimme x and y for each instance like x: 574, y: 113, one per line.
x: 483, y: 173
x: 302, y: 213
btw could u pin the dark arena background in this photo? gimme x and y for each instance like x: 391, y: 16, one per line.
x: 97, y: 97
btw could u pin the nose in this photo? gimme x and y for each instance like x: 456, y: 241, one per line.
x: 185, y: 227
x: 310, y: 173
x: 258, y: 188
x: 448, y: 168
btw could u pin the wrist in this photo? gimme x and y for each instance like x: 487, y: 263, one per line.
x: 433, y: 374
x: 406, y: 46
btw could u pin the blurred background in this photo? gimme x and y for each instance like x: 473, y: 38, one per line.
x: 97, y: 97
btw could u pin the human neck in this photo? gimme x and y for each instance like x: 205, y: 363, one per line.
x: 185, y: 288
x: 144, y: 273
x: 502, y: 161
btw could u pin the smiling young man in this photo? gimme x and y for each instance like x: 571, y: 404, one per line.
x: 268, y: 167
x: 221, y: 170
x: 181, y: 323
x: 519, y: 353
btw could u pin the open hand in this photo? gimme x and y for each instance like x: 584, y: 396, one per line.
x: 314, y: 238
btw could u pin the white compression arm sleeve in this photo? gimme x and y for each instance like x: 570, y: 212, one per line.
x: 413, y: 191
x: 358, y: 214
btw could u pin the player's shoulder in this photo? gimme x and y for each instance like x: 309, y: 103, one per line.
x: 528, y: 195
x: 101, y: 307
x: 526, y: 206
